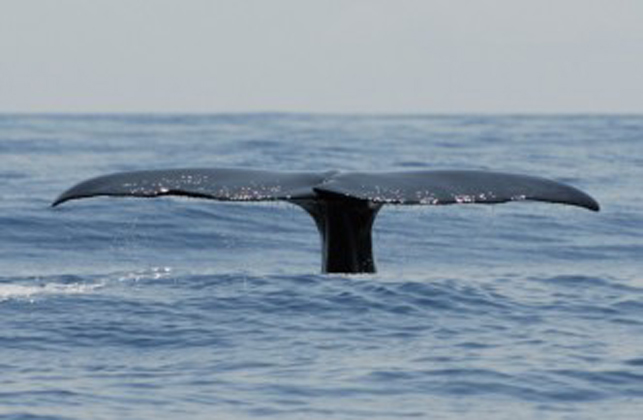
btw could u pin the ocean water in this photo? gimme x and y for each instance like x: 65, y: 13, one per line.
x: 139, y: 309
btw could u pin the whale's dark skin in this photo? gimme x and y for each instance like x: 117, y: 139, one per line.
x: 343, y: 205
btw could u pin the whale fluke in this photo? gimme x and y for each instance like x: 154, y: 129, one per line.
x: 225, y: 184
x: 453, y: 187
x: 343, y: 205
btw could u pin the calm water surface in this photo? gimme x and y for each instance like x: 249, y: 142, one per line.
x: 131, y: 309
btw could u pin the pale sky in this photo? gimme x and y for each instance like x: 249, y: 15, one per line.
x: 335, y: 56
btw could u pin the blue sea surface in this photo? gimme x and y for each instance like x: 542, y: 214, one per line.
x: 158, y: 308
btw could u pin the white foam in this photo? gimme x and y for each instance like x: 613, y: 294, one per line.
x: 20, y: 291
x: 154, y: 273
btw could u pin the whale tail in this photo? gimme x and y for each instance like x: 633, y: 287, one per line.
x: 343, y: 205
